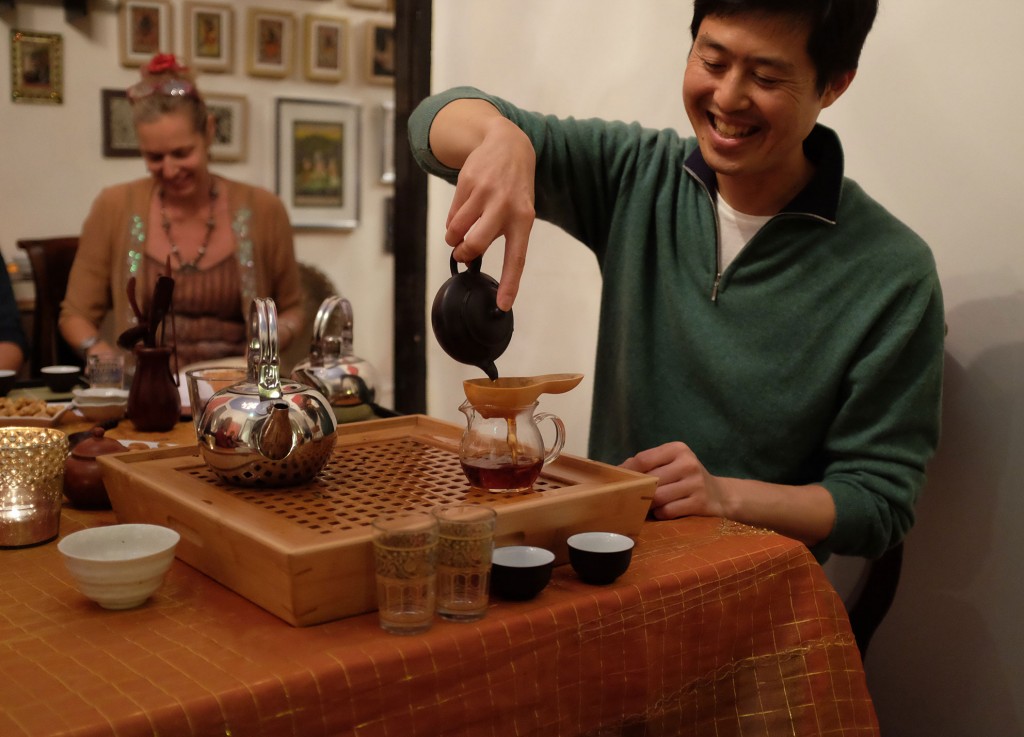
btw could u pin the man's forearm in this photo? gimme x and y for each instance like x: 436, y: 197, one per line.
x: 458, y: 128
x: 804, y: 513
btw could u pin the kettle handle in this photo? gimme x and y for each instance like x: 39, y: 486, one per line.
x: 318, y: 345
x: 263, y: 366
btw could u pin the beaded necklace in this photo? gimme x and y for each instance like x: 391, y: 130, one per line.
x: 193, y: 265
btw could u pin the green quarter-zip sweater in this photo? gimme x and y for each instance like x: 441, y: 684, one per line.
x: 815, y: 357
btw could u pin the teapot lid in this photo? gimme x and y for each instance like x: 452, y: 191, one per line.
x: 96, y: 444
x: 467, y: 322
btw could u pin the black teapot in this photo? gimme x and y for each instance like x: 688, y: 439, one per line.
x: 467, y: 322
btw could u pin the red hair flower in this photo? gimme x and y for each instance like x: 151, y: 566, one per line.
x: 162, y: 63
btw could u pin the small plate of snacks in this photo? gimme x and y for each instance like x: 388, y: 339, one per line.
x: 30, y: 412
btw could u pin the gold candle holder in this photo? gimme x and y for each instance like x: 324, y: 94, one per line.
x: 31, y: 484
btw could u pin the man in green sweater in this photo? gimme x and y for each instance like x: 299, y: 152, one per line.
x: 771, y: 338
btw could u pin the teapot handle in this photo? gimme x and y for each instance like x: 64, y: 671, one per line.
x: 322, y: 321
x: 475, y: 265
x: 263, y: 366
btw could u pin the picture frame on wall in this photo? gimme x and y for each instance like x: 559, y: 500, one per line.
x: 371, y: 4
x: 119, y: 139
x: 209, y: 36
x: 37, y: 67
x: 231, y: 126
x: 317, y: 157
x: 271, y: 43
x: 145, y: 28
x: 380, y: 52
x: 325, y: 48
x: 387, y: 132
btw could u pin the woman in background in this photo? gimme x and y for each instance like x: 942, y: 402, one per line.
x: 226, y: 242
x: 12, y: 336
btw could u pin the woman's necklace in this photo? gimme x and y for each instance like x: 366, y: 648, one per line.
x: 193, y: 265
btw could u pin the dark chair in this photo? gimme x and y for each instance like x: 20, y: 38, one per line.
x: 51, y: 260
x: 876, y: 591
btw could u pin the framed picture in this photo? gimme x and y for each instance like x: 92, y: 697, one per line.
x: 325, y: 50
x: 144, y: 29
x: 209, y: 36
x: 380, y: 52
x: 318, y: 162
x: 387, y: 132
x: 119, y: 139
x: 231, y: 126
x: 37, y: 67
x: 271, y: 38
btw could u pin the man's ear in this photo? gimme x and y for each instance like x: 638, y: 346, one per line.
x: 837, y: 87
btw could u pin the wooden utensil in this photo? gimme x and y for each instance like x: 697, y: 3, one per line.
x: 163, y: 293
x: 517, y: 391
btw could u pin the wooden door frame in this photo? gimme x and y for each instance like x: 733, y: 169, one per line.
x: 413, y: 32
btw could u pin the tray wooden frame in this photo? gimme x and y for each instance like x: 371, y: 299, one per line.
x: 308, y: 573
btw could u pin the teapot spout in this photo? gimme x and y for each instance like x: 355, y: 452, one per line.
x: 490, y: 369
x: 275, y: 439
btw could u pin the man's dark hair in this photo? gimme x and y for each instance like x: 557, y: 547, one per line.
x: 838, y: 27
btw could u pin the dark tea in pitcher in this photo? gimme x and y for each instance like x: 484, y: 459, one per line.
x: 502, y: 473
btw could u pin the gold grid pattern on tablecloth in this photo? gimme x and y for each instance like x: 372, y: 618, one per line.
x: 714, y: 630
x: 365, y: 481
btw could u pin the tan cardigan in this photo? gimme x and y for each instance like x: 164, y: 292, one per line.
x: 113, y: 239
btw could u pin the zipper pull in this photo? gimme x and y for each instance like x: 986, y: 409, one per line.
x: 714, y: 289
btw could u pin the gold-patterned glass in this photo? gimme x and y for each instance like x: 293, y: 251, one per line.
x: 405, y: 553
x: 31, y: 484
x: 464, y: 547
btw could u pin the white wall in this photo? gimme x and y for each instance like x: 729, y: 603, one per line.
x: 52, y: 164
x: 932, y: 129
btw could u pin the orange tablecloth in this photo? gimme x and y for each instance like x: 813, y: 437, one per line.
x: 716, y: 629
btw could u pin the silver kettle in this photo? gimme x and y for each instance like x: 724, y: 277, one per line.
x: 348, y: 382
x: 263, y: 432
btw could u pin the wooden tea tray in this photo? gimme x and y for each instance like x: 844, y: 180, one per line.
x: 305, y: 553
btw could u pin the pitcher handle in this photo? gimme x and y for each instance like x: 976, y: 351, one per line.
x: 556, y: 447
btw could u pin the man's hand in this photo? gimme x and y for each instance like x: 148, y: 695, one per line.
x: 805, y: 512
x: 685, y: 488
x: 494, y: 196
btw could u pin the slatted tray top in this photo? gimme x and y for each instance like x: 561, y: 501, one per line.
x: 368, y: 480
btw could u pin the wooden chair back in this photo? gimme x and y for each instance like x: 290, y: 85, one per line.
x: 51, y: 260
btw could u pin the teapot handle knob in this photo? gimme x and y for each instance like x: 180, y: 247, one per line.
x: 263, y: 366
x: 473, y: 266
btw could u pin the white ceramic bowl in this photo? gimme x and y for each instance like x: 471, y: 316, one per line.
x: 102, y: 412
x: 101, y: 404
x: 119, y: 566
x: 100, y: 395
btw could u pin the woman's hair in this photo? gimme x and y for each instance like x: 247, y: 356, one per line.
x: 167, y: 87
x: 838, y: 28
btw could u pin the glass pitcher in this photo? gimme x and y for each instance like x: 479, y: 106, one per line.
x: 502, y: 449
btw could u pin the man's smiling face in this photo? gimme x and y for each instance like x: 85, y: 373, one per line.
x: 750, y: 91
